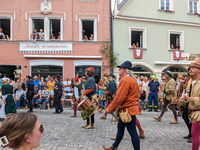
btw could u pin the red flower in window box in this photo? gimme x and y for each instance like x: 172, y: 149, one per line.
x: 196, y: 13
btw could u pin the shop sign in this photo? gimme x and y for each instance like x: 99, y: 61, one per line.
x: 46, y: 47
x: 186, y: 57
x: 138, y: 53
x: 177, y: 55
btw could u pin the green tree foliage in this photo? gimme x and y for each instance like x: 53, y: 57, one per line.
x: 110, y: 57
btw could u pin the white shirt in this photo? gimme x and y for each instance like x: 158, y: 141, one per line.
x: 67, y: 83
x: 193, y: 82
x: 1, y: 33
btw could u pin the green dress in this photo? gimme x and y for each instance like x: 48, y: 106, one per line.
x: 10, y: 106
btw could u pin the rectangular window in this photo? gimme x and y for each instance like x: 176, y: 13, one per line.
x: 193, y: 7
x: 37, y: 29
x: 137, y: 37
x: 54, y: 29
x: 46, y: 28
x: 176, y: 40
x: 5, y: 32
x: 165, y: 4
x: 88, y: 30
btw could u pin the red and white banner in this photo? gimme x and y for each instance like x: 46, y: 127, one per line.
x: 177, y: 55
x: 138, y: 53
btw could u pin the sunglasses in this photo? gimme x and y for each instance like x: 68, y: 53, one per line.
x: 41, y: 129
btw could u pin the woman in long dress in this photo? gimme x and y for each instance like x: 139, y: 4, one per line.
x: 7, y: 96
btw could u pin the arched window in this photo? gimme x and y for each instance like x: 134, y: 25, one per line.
x: 175, y: 69
x: 140, y: 69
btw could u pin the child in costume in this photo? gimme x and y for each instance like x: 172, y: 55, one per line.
x: 77, y: 94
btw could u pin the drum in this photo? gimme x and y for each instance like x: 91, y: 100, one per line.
x: 87, y: 107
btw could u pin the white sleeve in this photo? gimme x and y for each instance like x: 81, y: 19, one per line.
x: 4, y: 97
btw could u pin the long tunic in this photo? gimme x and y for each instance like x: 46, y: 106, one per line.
x: 127, y: 96
x: 10, y: 106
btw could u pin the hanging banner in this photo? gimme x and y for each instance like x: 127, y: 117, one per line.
x: 177, y: 55
x: 138, y: 53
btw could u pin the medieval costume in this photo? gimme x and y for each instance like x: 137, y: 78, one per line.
x: 103, y: 90
x: 77, y: 95
x: 169, y: 91
x: 127, y: 96
x: 90, y: 89
x: 194, y: 103
x: 110, y: 92
x: 184, y: 108
x: 8, y: 100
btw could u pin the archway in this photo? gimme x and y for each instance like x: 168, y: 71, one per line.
x: 176, y: 71
x: 141, y: 71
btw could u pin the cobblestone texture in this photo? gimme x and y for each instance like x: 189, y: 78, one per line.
x: 65, y: 133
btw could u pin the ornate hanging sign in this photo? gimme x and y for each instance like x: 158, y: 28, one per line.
x: 138, y: 53
x: 177, y: 55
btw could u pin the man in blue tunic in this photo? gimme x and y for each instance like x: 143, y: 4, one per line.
x: 90, y: 89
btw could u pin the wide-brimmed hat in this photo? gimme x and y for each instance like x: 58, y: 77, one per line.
x: 6, y: 79
x: 196, y: 63
x: 169, y: 73
x: 126, y: 64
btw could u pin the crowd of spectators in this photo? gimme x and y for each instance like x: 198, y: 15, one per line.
x: 85, y: 37
x: 43, y: 90
x: 35, y: 35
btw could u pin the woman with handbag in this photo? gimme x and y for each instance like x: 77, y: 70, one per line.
x: 127, y: 96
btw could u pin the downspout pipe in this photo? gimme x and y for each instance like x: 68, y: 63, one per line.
x: 111, y: 33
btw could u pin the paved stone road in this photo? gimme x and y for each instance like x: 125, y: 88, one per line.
x: 65, y: 133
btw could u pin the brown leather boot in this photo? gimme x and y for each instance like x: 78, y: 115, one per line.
x: 91, y: 126
x: 157, y: 118
x: 141, y: 134
x: 109, y: 148
x: 83, y: 126
x: 174, y: 122
x: 100, y: 110
x: 103, y: 117
x: 73, y: 115
x: 113, y: 138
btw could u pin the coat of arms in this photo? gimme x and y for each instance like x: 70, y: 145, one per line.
x: 45, y: 7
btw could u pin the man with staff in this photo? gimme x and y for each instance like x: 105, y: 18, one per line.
x: 127, y: 97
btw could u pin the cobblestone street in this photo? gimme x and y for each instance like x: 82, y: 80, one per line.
x: 65, y: 133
